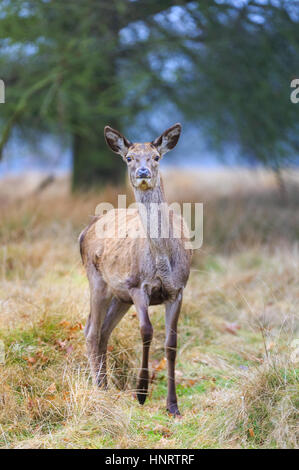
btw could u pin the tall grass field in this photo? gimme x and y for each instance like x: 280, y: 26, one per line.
x: 237, y: 363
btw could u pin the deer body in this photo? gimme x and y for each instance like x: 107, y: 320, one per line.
x: 142, y: 270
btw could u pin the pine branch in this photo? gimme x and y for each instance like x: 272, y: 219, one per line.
x: 20, y: 108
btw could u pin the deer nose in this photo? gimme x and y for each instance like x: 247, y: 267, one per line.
x: 143, y: 172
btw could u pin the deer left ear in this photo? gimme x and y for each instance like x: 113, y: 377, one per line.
x: 168, y: 140
x: 116, y: 141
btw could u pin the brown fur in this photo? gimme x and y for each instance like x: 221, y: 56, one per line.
x: 143, y: 270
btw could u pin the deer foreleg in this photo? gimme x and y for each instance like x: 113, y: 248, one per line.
x: 141, y: 302
x: 171, y: 320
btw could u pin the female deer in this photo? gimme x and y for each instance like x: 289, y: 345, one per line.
x: 145, y: 270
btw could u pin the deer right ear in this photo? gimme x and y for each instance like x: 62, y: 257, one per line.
x: 168, y: 140
x: 116, y: 141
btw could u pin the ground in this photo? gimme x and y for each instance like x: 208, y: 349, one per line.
x: 237, y: 367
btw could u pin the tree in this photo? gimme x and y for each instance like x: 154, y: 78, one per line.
x: 236, y: 78
x: 62, y: 74
x: 73, y: 67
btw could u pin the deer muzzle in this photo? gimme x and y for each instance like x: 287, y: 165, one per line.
x: 143, y: 173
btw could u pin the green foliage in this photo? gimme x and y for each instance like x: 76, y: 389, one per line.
x: 244, y: 73
x: 72, y: 67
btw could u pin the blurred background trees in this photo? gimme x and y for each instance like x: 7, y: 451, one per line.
x: 224, y: 66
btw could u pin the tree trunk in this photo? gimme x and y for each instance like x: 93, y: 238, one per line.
x: 281, y: 185
x: 94, y: 164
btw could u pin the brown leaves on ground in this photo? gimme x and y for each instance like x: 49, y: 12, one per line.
x: 65, y: 344
x: 232, y: 328
x: 38, y: 359
x: 164, y: 430
x: 30, y: 360
x: 71, y: 328
x: 180, y: 377
x: 159, y: 429
x: 157, y: 367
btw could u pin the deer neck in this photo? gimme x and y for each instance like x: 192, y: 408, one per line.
x: 153, y: 211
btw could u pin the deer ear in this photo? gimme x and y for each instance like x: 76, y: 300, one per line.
x: 168, y: 140
x: 116, y: 141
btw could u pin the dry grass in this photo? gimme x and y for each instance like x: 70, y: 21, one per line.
x: 237, y: 384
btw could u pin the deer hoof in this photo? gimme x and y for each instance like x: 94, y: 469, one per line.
x: 174, y: 411
x: 141, y: 396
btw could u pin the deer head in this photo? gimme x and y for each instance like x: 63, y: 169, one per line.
x: 143, y: 159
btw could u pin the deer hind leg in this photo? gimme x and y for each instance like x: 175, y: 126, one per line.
x: 99, y: 301
x: 171, y: 320
x: 116, y: 310
x: 141, y: 302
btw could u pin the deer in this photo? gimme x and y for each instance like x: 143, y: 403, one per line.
x: 145, y: 270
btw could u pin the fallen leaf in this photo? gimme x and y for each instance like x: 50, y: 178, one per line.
x: 76, y: 327
x: 40, y: 355
x: 232, y: 328
x: 64, y: 323
x: 162, y: 364
x: 191, y: 382
x: 251, y: 432
x: 31, y: 360
x: 52, y: 389
x: 162, y: 430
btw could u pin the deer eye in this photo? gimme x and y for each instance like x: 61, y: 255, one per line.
x: 129, y: 159
x: 157, y: 158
